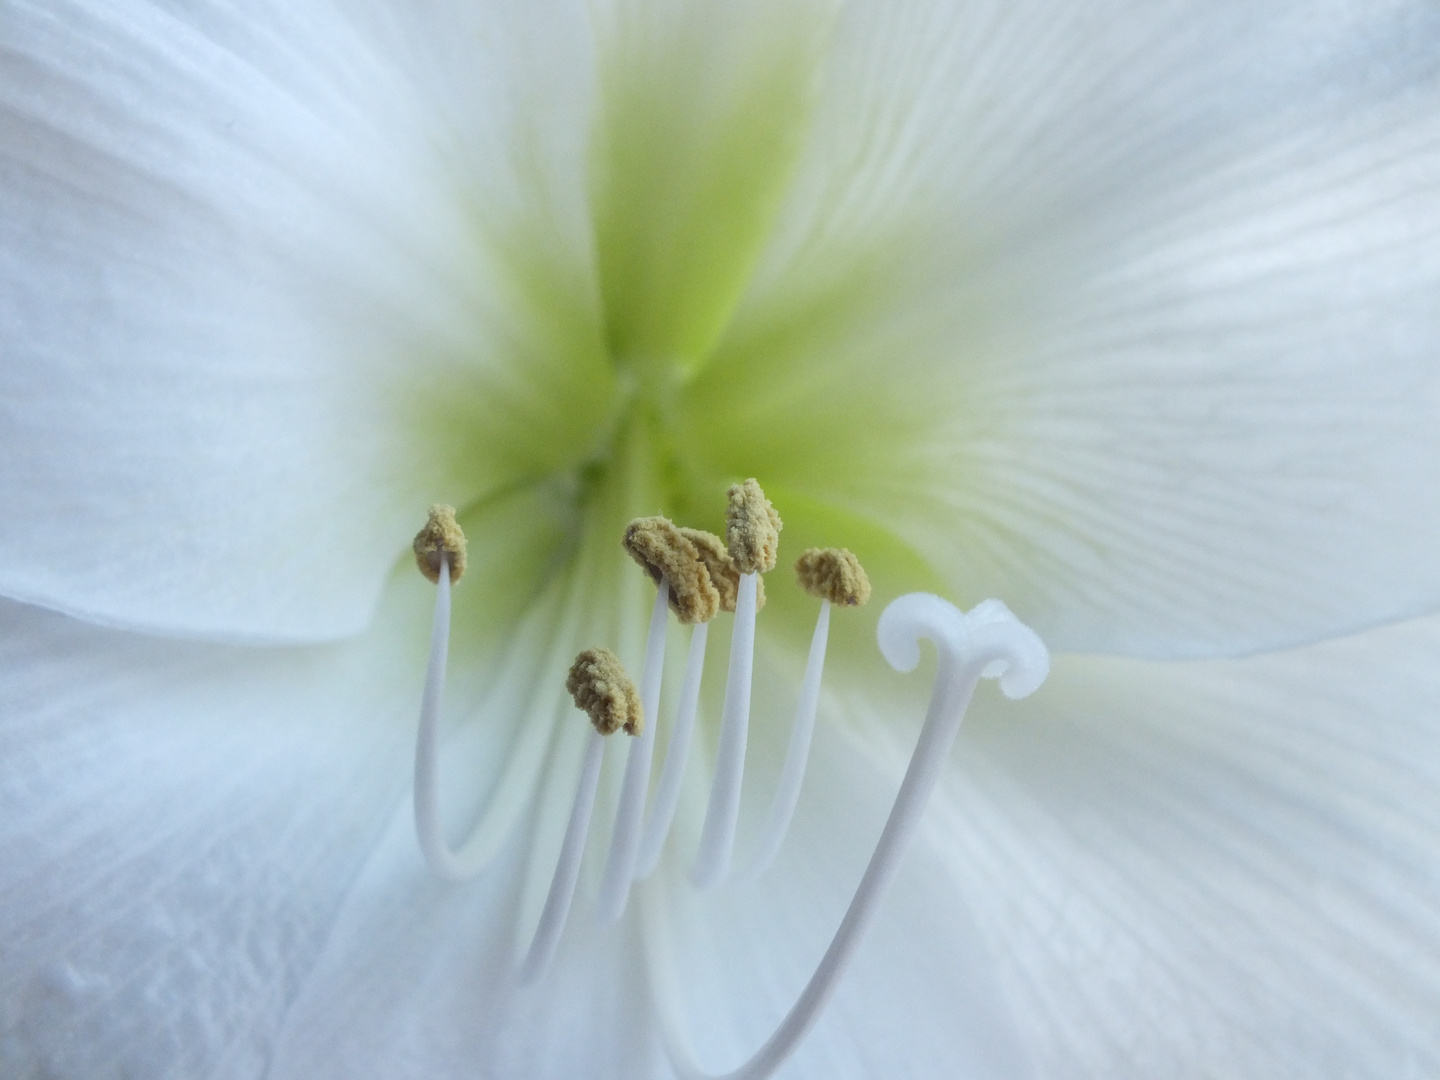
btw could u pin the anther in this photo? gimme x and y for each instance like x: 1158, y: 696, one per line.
x: 440, y: 536
x: 724, y: 574
x: 664, y: 551
x: 752, y: 528
x: 603, y: 691
x: 833, y: 574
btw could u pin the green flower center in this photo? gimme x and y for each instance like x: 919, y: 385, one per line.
x: 670, y: 366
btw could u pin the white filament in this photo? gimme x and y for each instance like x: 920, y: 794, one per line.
x: 792, y: 775
x: 427, y: 811
x: 567, y: 867
x: 989, y: 641
x: 672, y: 774
x: 717, y: 837
x: 630, y: 815
x: 505, y: 805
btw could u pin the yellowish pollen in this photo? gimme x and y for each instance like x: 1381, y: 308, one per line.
x: 663, y: 550
x: 601, y: 689
x: 724, y: 574
x: 441, y: 534
x: 833, y: 574
x: 752, y: 528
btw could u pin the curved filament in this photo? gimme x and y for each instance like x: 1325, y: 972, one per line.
x: 672, y: 774
x: 506, y: 803
x: 567, y: 867
x: 630, y: 815
x: 797, y: 756
x: 717, y: 837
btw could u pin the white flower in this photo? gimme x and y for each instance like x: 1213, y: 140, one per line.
x: 1125, y: 314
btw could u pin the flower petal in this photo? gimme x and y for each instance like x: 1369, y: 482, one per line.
x: 1128, y: 321
x: 421, y: 973
x: 177, y: 825
x: 242, y: 261
x: 1215, y: 869
x: 921, y: 998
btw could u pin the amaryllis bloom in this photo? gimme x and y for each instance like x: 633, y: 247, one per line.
x: 1123, y: 314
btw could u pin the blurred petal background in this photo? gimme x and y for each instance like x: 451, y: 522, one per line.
x: 1122, y: 314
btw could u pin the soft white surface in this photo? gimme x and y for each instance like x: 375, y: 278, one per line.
x: 1103, y: 311
x: 178, y: 826
x: 1149, y: 869
x: 240, y: 252
x: 1226, y: 868
x: 744, y: 954
x: 1154, y: 356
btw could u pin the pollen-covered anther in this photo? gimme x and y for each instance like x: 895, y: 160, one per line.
x: 752, y: 528
x: 665, y: 552
x: 833, y: 574
x: 441, y: 534
x: 724, y: 574
x: 603, y: 690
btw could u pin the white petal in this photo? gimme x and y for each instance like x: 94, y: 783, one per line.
x: 1126, y: 320
x: 418, y: 973
x: 253, y: 322
x: 180, y: 822
x: 1215, y: 869
x: 921, y: 998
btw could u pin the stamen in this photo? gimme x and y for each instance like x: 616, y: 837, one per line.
x: 667, y: 554
x: 752, y: 537
x: 717, y: 836
x: 672, y: 773
x: 836, y: 577
x: 987, y: 642
x: 630, y: 814
x: 427, y: 794
x: 601, y: 688
x: 725, y: 576
x: 506, y: 803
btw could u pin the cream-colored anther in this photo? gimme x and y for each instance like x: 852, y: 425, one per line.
x: 441, y: 534
x: 724, y: 574
x: 833, y: 574
x: 752, y: 528
x: 663, y: 550
x: 603, y: 690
